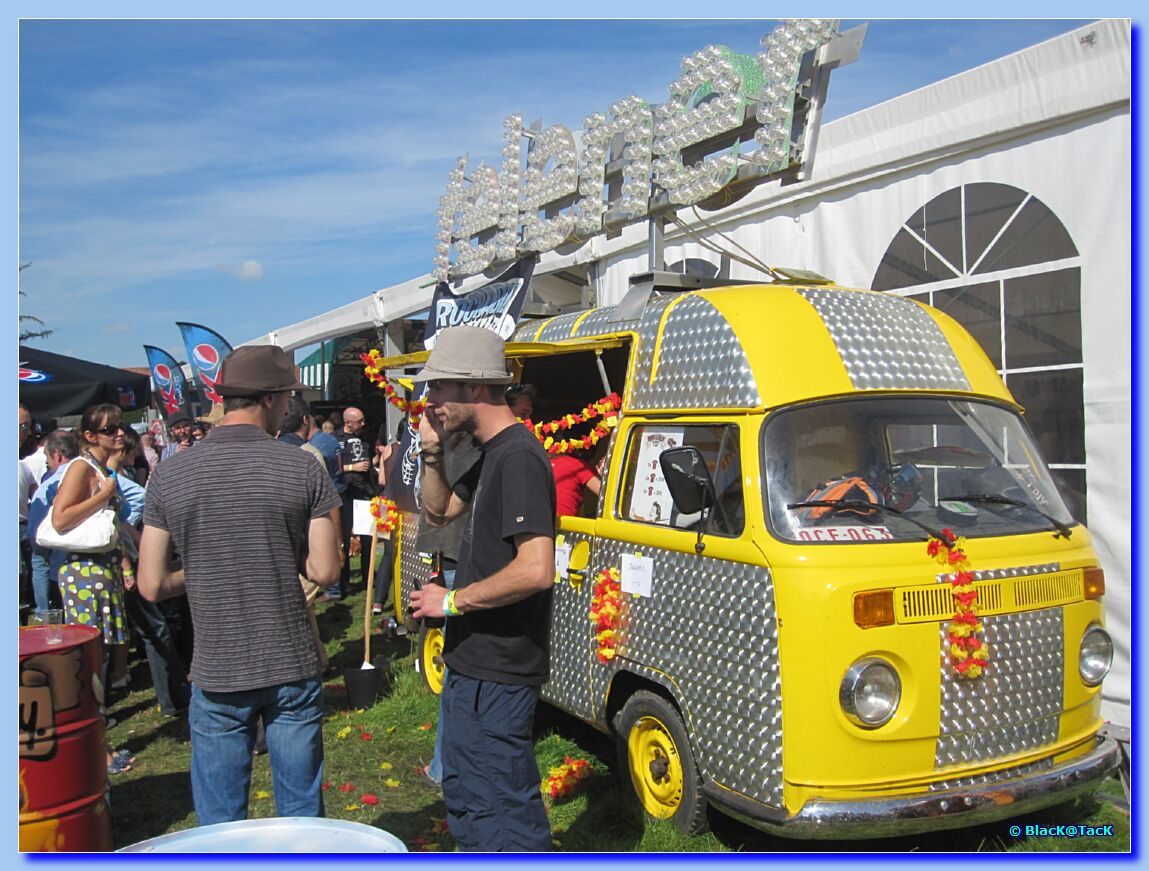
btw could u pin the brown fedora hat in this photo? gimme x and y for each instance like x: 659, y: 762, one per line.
x: 466, y: 354
x: 255, y: 369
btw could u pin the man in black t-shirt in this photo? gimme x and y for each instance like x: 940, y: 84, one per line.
x: 498, y: 639
x: 355, y: 452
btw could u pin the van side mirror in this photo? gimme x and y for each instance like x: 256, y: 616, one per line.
x: 688, y: 479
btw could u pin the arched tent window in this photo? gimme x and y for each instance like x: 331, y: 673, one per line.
x: 999, y: 262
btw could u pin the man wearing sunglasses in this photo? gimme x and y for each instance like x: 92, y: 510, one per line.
x: 180, y: 437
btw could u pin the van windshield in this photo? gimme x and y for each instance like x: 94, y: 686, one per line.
x: 889, y: 468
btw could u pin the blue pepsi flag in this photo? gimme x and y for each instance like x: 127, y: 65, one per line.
x: 206, y: 350
x: 494, y: 306
x: 171, y: 386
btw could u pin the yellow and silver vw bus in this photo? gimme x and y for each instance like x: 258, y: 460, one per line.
x: 783, y: 648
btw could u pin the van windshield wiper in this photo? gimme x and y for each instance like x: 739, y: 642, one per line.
x: 866, y: 507
x: 989, y: 499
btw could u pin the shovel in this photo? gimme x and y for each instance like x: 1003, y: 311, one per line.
x: 365, y: 682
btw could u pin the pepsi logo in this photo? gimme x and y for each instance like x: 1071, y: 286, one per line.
x: 162, y: 374
x: 33, y: 376
x: 206, y: 358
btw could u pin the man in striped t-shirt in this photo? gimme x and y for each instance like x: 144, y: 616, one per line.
x: 248, y: 514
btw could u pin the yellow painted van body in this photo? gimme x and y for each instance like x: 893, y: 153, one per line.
x: 730, y: 679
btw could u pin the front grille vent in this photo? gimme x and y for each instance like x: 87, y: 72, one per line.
x: 998, y: 596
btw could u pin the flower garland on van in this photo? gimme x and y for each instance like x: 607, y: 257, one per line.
x: 606, y: 408
x: 372, y: 361
x: 386, y: 514
x: 968, y: 652
x: 605, y: 611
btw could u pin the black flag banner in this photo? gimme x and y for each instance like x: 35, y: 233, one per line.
x: 494, y: 306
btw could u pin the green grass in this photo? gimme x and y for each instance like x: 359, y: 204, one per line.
x: 155, y: 797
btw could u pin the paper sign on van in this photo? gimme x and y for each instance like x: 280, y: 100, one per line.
x: 637, y: 572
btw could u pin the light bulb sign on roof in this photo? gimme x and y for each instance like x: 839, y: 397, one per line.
x: 731, y: 121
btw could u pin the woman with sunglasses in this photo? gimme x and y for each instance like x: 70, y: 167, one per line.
x: 92, y: 584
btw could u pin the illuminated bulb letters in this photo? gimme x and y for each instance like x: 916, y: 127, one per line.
x: 541, y: 188
x: 704, y: 102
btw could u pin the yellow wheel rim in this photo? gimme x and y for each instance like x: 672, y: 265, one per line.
x: 433, y: 665
x: 655, y: 767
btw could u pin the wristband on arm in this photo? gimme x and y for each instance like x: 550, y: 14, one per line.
x: 449, y: 607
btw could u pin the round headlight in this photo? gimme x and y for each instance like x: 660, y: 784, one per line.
x: 870, y: 692
x: 1096, y: 655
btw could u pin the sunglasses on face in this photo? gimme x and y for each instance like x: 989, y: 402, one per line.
x: 24, y: 427
x: 111, y: 430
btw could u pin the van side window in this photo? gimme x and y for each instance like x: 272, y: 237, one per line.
x: 645, y: 496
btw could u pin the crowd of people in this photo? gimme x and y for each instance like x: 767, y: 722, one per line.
x: 238, y: 570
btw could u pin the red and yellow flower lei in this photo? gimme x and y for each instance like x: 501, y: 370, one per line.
x: 563, y: 780
x: 969, y: 654
x: 373, y: 370
x: 386, y: 514
x: 605, y: 610
x: 606, y: 408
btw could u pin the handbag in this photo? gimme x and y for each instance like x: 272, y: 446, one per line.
x: 95, y: 534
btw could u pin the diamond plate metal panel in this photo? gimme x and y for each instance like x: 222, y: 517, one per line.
x: 559, y: 328
x: 721, y: 661
x: 1012, y: 572
x: 410, y: 566
x: 700, y: 362
x: 599, y: 322
x: 572, y: 648
x: 887, y: 342
x: 993, y: 777
x: 1016, y: 703
x: 643, y: 353
x: 525, y: 331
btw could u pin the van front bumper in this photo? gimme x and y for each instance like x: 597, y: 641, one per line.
x: 959, y: 807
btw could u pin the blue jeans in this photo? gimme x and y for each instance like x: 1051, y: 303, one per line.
x: 43, y: 582
x: 223, y: 727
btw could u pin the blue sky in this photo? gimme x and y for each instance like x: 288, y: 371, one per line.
x: 250, y: 174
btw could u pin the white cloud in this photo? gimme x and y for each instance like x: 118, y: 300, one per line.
x: 249, y: 270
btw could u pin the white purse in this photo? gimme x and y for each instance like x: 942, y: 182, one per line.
x: 96, y: 534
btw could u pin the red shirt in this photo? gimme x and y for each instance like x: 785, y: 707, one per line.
x: 570, y: 475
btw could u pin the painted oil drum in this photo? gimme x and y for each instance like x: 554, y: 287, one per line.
x: 63, y: 774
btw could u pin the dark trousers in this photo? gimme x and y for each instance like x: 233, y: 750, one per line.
x: 169, y: 678
x: 177, y: 614
x: 490, y: 777
x: 27, y: 595
x: 347, y: 515
x: 383, y: 571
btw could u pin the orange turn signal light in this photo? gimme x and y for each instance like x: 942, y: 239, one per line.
x: 874, y: 608
x: 1094, y: 583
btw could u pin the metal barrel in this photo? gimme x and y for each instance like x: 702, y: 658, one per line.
x: 278, y: 835
x: 63, y: 770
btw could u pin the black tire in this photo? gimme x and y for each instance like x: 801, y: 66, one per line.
x: 654, y: 751
x: 430, y: 657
